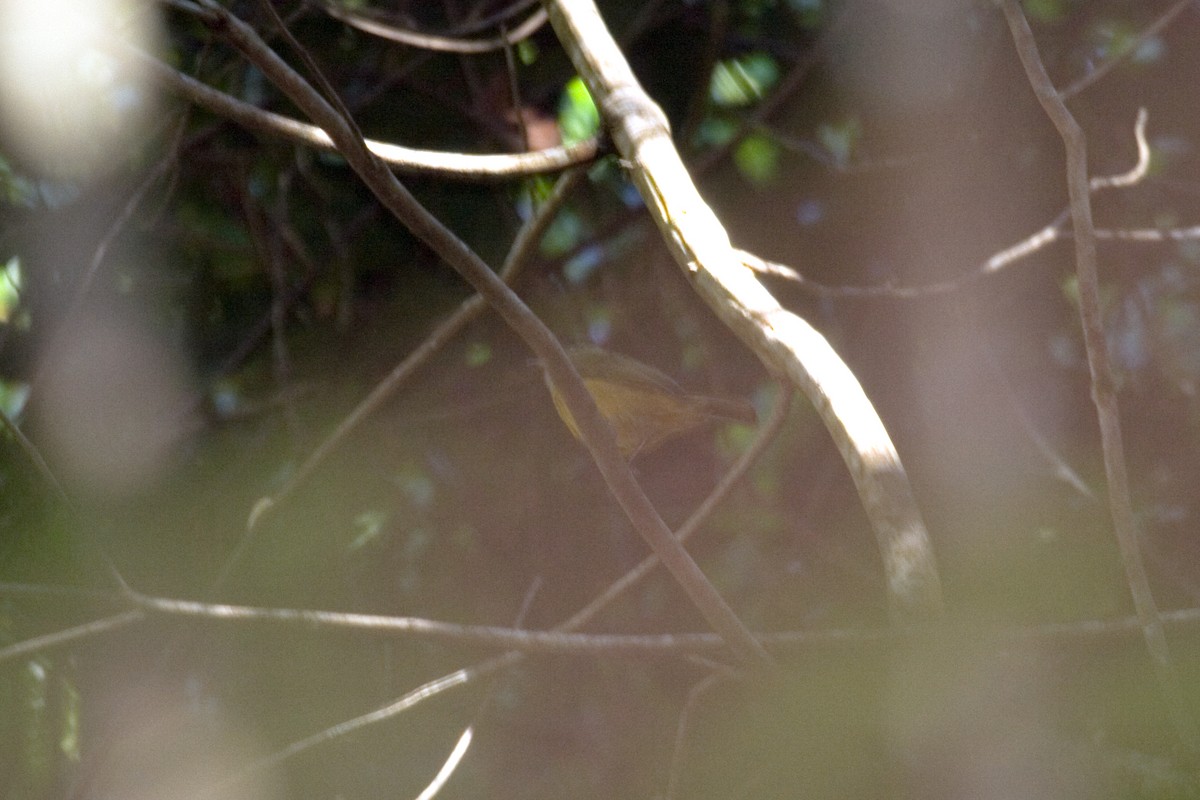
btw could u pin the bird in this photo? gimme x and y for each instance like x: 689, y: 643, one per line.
x: 643, y: 406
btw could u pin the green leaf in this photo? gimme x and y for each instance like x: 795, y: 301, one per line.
x: 527, y: 51
x: 13, y: 395
x: 757, y: 158
x: 10, y: 289
x: 715, y: 132
x: 809, y: 13
x: 15, y: 189
x: 578, y: 118
x: 744, y: 80
x: 1045, y: 10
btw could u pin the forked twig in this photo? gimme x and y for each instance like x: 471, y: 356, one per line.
x: 452, y: 166
x: 376, y: 26
x: 483, y: 669
x: 786, y: 343
x: 1151, y: 30
x: 1053, y: 231
x: 594, y: 430
x: 518, y: 257
x: 1104, y: 393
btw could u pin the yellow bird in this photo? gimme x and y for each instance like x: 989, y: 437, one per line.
x: 643, y: 406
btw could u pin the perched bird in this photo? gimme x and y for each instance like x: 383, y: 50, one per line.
x: 643, y: 406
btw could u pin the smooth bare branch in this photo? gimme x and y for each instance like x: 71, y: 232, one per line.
x: 1104, y: 393
x: 787, y: 344
x: 406, y: 160
x: 595, y: 432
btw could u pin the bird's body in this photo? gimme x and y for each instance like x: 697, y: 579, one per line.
x: 643, y: 406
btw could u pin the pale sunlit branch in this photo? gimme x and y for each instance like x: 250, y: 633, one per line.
x: 375, y: 25
x: 458, y: 166
x: 594, y: 430
x: 1104, y: 394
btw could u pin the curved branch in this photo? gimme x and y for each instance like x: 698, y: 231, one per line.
x: 368, y: 22
x: 787, y: 344
x: 513, y: 657
x: 1104, y: 394
x: 1152, y: 30
x: 93, y: 628
x: 1053, y: 231
x: 459, y: 166
x: 596, y: 433
x: 565, y: 639
x: 519, y: 255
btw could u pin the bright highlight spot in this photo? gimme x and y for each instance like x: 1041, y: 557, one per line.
x: 67, y: 92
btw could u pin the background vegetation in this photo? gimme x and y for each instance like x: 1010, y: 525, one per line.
x: 189, y: 309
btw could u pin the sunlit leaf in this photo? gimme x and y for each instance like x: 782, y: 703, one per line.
x: 539, y: 188
x: 744, y: 80
x: 10, y: 289
x: 757, y: 158
x: 527, y: 51
x: 578, y: 118
x: 12, y: 398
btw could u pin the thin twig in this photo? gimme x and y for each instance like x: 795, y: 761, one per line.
x: 80, y: 294
x: 558, y: 640
x: 35, y: 457
x: 694, y: 521
x: 1104, y: 393
x: 514, y: 94
x: 456, y: 166
x: 134, y: 202
x: 1053, y: 231
x: 425, y: 691
x: 787, y: 344
x: 374, y: 25
x: 1141, y: 167
x: 490, y: 666
x: 519, y: 255
x: 594, y: 430
x: 93, y: 628
x: 460, y: 748
x: 683, y: 727
x: 83, y: 532
x: 1106, y: 66
x: 565, y: 639
x: 696, y: 644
